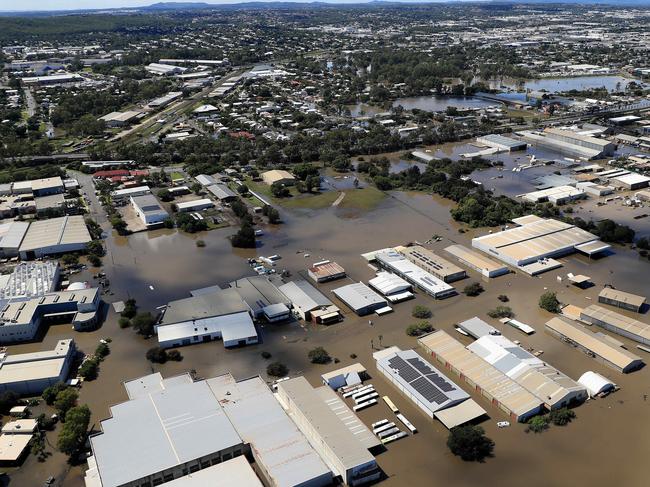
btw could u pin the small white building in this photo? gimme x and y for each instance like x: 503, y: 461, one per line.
x: 595, y: 383
x: 29, y: 374
x: 195, y: 205
x: 149, y: 210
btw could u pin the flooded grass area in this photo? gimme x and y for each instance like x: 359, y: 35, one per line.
x: 158, y: 266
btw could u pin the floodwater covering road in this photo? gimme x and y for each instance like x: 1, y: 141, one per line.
x: 171, y: 263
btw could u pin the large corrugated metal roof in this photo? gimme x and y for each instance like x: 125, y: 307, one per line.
x: 622, y: 297
x: 496, y: 383
x: 544, y: 381
x: 332, y: 430
x: 236, y: 472
x: 218, y: 303
x: 56, y: 231
x: 278, y: 445
x: 304, y: 296
x: 160, y: 430
x: 618, y: 356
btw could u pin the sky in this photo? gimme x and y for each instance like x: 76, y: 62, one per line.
x: 25, y: 5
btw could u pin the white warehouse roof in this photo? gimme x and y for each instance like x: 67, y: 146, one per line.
x: 160, y: 430
x: 595, y: 383
x: 387, y: 283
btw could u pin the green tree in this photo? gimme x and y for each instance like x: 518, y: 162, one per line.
x: 538, y: 424
x: 102, y: 351
x: 501, y: 312
x: 279, y: 190
x: 157, y: 355
x: 73, y: 432
x: 549, y: 302
x: 277, y: 369
x: 143, y: 323
x: 65, y: 399
x: 165, y: 195
x: 50, y: 393
x: 89, y: 369
x: 319, y: 355
x: 8, y: 399
x: 562, y: 416
x: 473, y: 289
x: 130, y: 309
x: 244, y: 238
x: 421, y: 312
x: 419, y: 329
x: 470, y: 443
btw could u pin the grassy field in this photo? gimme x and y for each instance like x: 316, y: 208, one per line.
x: 176, y: 175
x: 362, y: 199
x: 359, y: 199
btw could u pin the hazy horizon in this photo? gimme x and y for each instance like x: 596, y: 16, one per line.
x: 63, y: 5
x: 54, y: 5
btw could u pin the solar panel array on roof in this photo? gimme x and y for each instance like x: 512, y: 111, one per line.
x: 423, y: 378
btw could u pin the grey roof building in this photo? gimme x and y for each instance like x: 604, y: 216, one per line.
x: 221, y: 192
x: 332, y: 428
x: 262, y: 296
x: 280, y: 449
x: 164, y: 432
x: 360, y: 298
x: 220, y: 314
x: 219, y: 303
x: 426, y: 386
x: 310, y: 303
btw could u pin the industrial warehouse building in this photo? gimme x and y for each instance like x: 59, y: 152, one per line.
x: 30, y: 279
x: 11, y: 236
x: 545, y: 382
x: 195, y: 205
x: 432, y: 263
x: 278, y: 176
x: 427, y: 387
x: 537, y: 239
x: 421, y: 279
x: 558, y: 195
x: 390, y: 284
x: 120, y: 119
x: 263, y: 298
x: 122, y: 195
x: 360, y: 298
x: 595, y: 383
x: 631, y: 181
x: 310, y: 303
x: 236, y: 472
x: 167, y: 429
x: 571, y: 143
x: 29, y: 374
x: 621, y: 299
x: 325, y: 271
x: 502, y: 391
x: 502, y: 143
x: 477, y: 328
x: 597, y: 345
x: 335, y: 432
x: 221, y: 192
x: 477, y: 261
x: 21, y: 318
x: 149, y: 209
x: 616, y: 323
x: 281, y: 451
x: 221, y: 315
x: 54, y: 236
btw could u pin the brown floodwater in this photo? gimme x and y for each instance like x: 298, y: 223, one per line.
x: 607, y: 443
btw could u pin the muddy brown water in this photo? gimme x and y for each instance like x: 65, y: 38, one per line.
x: 608, y: 442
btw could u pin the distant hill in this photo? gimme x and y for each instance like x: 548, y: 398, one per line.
x: 177, y: 6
